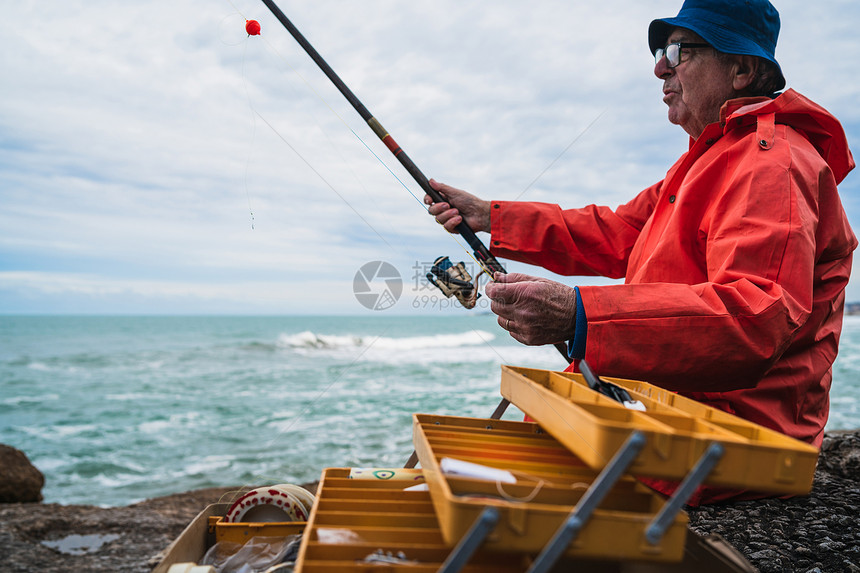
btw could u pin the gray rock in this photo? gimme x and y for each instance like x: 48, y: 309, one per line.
x: 765, y: 554
x: 805, y: 534
x: 20, y: 481
x: 53, y: 538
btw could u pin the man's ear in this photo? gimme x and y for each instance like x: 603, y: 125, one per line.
x: 745, y: 70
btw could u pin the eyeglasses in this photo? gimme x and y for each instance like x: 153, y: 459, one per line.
x: 673, y: 52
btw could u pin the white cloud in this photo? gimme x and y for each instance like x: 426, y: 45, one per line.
x: 132, y: 152
x: 89, y: 293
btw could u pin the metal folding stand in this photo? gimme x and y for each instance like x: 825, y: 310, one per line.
x: 592, y: 498
x: 655, y: 530
x: 661, y: 522
x: 467, y: 546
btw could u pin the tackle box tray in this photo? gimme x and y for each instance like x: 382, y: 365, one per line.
x: 678, y: 430
x: 355, y: 520
x: 209, y: 528
x: 550, y: 481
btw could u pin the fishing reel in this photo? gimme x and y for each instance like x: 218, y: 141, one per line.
x: 454, y: 280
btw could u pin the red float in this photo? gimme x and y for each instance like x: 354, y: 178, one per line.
x: 252, y: 27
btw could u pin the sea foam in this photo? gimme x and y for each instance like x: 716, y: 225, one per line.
x: 308, y: 339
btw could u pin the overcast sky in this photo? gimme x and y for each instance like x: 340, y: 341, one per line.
x: 157, y: 160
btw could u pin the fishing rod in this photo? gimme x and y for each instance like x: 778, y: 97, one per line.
x: 482, y: 254
x: 451, y: 279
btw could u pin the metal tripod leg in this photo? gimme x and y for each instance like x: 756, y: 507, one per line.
x: 412, y: 461
x: 589, y: 502
x: 500, y: 409
x: 664, y: 518
x: 467, y: 546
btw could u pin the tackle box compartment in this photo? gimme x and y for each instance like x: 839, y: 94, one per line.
x: 356, y: 521
x: 677, y: 430
x: 210, y: 527
x: 550, y: 481
x: 241, y: 532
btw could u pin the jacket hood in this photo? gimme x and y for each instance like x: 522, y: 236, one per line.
x: 790, y: 108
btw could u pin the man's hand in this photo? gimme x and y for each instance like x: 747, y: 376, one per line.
x: 533, y: 310
x: 460, y: 205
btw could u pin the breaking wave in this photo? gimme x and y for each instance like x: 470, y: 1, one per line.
x: 311, y: 340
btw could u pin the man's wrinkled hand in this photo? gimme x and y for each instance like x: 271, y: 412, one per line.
x: 533, y: 310
x: 458, y: 206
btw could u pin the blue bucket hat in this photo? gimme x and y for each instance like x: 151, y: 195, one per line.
x: 746, y: 27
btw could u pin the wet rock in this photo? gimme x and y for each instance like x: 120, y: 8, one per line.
x: 53, y: 538
x: 842, y: 451
x: 20, y: 481
x: 767, y: 554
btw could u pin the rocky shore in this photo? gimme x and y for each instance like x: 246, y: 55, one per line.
x: 819, y: 533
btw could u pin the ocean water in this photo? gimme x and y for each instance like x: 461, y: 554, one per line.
x: 114, y: 410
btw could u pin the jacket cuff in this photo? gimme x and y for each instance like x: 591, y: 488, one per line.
x: 498, y: 238
x: 576, y: 347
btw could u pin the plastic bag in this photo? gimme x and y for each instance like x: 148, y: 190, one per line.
x: 257, y: 555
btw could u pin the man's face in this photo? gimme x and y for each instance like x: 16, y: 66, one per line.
x: 695, y: 89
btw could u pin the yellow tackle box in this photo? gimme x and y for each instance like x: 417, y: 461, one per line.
x: 677, y: 432
x: 549, y: 483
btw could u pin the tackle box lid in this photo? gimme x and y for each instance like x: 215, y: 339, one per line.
x: 677, y: 431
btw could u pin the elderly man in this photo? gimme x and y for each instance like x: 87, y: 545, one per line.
x: 735, y: 264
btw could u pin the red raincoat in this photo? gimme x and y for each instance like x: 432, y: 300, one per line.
x: 735, y: 266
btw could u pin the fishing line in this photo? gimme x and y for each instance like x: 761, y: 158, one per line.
x: 319, y: 96
x: 221, y: 30
x: 337, y: 115
x: 551, y: 163
x: 343, y: 121
x: 540, y: 483
x: 380, y: 131
x: 367, y: 147
x: 481, y: 255
x: 256, y: 113
x: 331, y: 143
x: 324, y: 180
x: 253, y: 132
x: 248, y: 94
